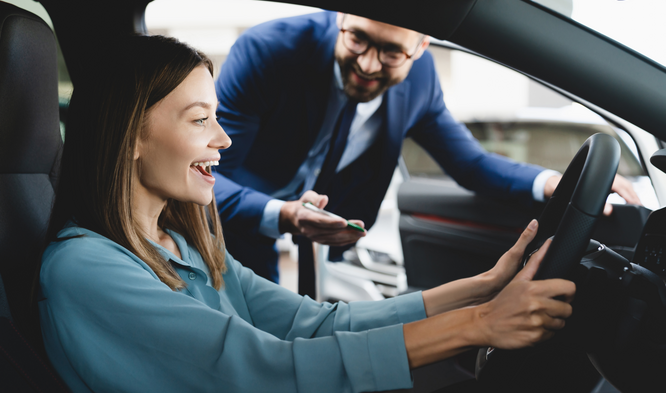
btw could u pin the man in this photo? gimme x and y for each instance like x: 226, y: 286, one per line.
x: 323, y: 102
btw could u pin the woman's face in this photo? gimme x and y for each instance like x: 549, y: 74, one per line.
x: 182, y: 137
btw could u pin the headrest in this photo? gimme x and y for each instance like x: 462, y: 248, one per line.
x: 29, y: 127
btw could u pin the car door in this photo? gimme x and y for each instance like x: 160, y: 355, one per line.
x: 448, y: 232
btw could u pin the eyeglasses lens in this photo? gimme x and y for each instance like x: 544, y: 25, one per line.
x: 389, y: 58
x: 355, y: 44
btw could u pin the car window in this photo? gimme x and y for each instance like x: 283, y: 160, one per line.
x: 213, y: 26
x: 64, y: 82
x: 514, y: 116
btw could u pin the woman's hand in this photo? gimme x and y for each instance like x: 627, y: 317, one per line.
x: 506, y: 267
x: 525, y: 311
x: 522, y: 314
x: 483, y: 287
x: 320, y: 228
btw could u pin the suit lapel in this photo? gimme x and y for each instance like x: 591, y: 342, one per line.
x: 318, y: 82
x: 397, y: 98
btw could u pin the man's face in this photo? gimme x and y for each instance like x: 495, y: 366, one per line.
x: 363, y: 76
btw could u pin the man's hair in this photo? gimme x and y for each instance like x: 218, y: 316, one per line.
x: 107, y: 115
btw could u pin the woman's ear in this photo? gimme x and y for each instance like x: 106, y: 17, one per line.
x: 137, y: 150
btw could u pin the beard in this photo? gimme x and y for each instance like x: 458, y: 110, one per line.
x: 362, y: 87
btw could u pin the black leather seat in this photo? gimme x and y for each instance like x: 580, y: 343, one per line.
x: 30, y: 145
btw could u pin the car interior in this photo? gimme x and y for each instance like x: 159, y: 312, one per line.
x: 617, y: 331
x: 30, y: 148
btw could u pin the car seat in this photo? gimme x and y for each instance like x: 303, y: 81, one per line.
x: 30, y: 145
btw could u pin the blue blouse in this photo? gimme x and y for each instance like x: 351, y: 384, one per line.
x: 110, y: 325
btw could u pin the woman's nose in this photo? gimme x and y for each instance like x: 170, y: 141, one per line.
x: 221, y: 140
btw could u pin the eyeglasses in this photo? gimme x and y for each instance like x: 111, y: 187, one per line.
x: 388, y: 55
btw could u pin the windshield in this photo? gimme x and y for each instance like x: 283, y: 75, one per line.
x: 638, y: 24
x: 213, y: 26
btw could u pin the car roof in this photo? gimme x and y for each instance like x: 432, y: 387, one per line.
x: 523, y: 35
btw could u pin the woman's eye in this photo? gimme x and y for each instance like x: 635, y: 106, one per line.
x: 201, y: 122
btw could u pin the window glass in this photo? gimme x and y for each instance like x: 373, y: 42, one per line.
x: 511, y: 115
x: 507, y: 112
x: 64, y: 82
x: 213, y: 26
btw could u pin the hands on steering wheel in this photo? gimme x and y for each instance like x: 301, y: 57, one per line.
x: 508, y: 310
x: 569, y: 216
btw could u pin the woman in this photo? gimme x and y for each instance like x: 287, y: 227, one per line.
x: 138, y: 296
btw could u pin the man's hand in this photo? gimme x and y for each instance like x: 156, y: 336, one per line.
x: 621, y: 185
x: 296, y: 219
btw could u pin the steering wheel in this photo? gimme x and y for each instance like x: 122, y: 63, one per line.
x: 569, y: 215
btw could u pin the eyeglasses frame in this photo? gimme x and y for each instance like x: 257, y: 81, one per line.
x: 378, y: 47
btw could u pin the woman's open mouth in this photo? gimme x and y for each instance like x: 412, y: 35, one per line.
x: 200, y: 168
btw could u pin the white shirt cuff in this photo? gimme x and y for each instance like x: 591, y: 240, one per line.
x: 270, y: 220
x: 540, y: 184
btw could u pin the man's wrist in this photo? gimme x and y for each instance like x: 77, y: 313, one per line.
x: 287, y: 213
x: 269, y: 225
x: 539, y: 184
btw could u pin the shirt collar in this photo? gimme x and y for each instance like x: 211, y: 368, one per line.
x: 182, y: 246
x: 72, y: 229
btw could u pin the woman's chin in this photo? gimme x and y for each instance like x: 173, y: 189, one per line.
x: 203, y: 199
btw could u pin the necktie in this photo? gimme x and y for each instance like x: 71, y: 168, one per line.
x: 306, y: 269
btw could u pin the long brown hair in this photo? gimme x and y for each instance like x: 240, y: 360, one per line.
x: 107, y: 115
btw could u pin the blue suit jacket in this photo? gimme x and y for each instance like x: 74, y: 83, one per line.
x: 273, y: 89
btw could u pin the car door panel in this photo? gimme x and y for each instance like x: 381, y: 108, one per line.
x: 448, y: 232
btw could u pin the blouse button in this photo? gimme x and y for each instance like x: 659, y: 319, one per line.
x: 192, y: 276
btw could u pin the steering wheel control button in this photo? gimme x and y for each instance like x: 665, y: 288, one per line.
x: 192, y: 276
x: 650, y: 255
